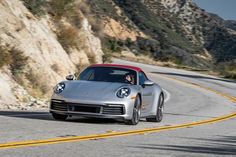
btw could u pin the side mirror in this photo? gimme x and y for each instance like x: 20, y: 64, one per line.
x: 70, y: 77
x: 148, y: 83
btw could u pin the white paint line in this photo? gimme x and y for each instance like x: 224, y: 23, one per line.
x: 167, y: 95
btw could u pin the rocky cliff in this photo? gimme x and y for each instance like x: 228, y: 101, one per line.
x: 41, y: 41
x: 213, y: 33
x: 172, y: 30
x: 37, y: 52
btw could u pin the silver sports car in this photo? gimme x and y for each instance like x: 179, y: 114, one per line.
x: 109, y: 91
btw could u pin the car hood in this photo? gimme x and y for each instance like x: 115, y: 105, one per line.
x: 90, y: 90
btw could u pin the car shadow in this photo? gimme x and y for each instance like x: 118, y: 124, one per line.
x: 224, y: 145
x: 44, y: 115
x: 195, y: 76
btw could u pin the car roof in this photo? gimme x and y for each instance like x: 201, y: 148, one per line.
x: 118, y: 66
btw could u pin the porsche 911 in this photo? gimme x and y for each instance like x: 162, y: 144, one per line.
x: 109, y: 91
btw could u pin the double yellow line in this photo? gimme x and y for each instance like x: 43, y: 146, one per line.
x: 229, y: 97
x: 125, y: 133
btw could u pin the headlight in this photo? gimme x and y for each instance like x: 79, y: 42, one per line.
x: 59, y: 88
x: 123, y: 92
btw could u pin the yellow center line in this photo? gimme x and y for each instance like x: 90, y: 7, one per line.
x: 126, y: 133
x: 229, y: 97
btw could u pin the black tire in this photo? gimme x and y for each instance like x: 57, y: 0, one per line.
x: 59, y: 117
x: 159, y: 112
x: 136, y: 113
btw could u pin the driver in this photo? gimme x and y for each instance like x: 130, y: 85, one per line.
x: 129, y: 79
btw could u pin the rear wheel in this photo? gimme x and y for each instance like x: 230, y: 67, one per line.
x: 159, y: 111
x: 59, y: 116
x: 136, y: 113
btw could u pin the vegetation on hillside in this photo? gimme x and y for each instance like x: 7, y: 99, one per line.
x: 167, y: 42
x: 14, y: 58
x: 37, y: 7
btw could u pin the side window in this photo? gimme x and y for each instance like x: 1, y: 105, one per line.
x: 142, y: 78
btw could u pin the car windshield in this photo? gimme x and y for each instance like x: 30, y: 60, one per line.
x: 109, y: 74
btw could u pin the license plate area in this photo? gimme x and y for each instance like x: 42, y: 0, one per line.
x: 84, y: 108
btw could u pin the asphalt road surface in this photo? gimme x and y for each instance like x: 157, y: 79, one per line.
x: 199, y: 120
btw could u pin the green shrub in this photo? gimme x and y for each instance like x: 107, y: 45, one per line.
x: 129, y: 42
x: 61, y: 8
x: 114, y: 46
x: 37, y: 7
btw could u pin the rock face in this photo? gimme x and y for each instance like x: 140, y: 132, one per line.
x: 209, y: 30
x: 176, y: 30
x: 47, y: 61
x: 115, y: 29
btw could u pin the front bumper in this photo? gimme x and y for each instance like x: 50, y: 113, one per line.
x: 115, y: 110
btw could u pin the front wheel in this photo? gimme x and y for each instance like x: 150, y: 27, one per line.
x: 59, y: 116
x: 159, y: 111
x: 136, y: 113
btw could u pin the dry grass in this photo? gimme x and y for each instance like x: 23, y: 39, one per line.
x: 62, y: 8
x: 36, y: 85
x: 84, y: 8
x: 14, y: 58
x: 227, y: 69
x: 107, y: 57
x: 18, y: 61
x: 55, y: 68
x: 37, y: 7
x: 92, y: 59
x: 68, y: 37
x: 96, y: 26
x: 5, y: 57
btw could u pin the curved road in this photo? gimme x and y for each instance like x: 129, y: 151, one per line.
x: 192, y: 98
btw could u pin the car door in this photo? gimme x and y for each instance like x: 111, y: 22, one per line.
x: 147, y: 93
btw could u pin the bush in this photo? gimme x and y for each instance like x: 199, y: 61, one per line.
x: 67, y: 36
x: 14, y: 58
x: 37, y: 7
x: 96, y: 26
x: 84, y: 8
x: 76, y: 19
x: 18, y: 61
x: 55, y: 68
x: 37, y: 86
x: 60, y: 8
x: 114, y: 46
x: 5, y: 57
x: 106, y: 58
x: 129, y: 42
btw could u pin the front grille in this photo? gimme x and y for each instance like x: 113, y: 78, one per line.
x: 88, y: 108
x: 59, y: 106
x: 84, y: 108
x: 113, y: 110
